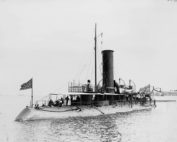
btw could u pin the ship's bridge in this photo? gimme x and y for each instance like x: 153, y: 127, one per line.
x: 80, y: 88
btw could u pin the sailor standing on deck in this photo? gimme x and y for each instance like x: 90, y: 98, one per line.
x: 89, y: 89
x: 154, y: 103
x: 69, y: 100
x: 66, y: 100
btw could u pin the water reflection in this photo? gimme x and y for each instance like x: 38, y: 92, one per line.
x: 102, y: 128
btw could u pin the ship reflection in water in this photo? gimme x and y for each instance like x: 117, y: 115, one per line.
x: 145, y: 126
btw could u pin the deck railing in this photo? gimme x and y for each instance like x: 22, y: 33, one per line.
x: 121, y: 103
x: 79, y: 88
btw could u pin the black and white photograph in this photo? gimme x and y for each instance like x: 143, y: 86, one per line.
x: 88, y: 71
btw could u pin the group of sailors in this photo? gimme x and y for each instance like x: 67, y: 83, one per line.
x: 71, y: 100
x: 59, y: 102
x: 63, y: 101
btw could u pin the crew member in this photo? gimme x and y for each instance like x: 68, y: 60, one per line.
x: 67, y: 98
x: 89, y: 89
x: 50, y: 103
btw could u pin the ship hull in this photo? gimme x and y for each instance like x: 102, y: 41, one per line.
x: 81, y: 111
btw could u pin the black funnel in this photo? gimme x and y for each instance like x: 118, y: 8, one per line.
x: 108, y: 75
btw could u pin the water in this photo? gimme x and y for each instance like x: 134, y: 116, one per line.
x: 147, y: 126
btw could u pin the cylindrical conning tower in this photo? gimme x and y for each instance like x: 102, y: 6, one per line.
x: 108, y: 75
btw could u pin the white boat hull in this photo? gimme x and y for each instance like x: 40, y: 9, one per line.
x: 81, y: 111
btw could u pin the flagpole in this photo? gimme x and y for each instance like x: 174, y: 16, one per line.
x: 32, y: 94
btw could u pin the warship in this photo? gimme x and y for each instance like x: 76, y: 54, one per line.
x: 108, y: 96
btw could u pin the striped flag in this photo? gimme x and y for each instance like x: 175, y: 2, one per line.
x: 27, y: 85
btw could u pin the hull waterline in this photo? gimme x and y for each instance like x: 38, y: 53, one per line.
x: 81, y: 111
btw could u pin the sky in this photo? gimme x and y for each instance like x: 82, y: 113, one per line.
x: 53, y: 42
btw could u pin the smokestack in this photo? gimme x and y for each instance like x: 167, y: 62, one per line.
x: 108, y: 75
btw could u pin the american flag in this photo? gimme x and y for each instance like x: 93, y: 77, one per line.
x: 27, y: 85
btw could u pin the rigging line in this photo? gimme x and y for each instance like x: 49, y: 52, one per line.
x: 100, y: 64
x: 101, y: 42
x: 100, y: 57
x: 99, y: 49
x: 89, y: 66
x: 79, y: 73
x: 82, y: 72
x: 92, y: 69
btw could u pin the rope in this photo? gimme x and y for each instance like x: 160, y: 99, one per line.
x: 84, y: 69
x: 98, y: 110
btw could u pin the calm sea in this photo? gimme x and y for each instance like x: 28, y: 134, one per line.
x: 157, y: 125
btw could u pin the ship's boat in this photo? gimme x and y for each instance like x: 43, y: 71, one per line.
x: 83, y: 100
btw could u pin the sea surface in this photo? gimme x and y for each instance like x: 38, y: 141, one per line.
x: 157, y: 125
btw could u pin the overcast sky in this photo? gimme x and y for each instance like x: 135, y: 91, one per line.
x: 53, y: 41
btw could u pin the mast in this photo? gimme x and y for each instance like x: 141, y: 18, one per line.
x: 95, y: 57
